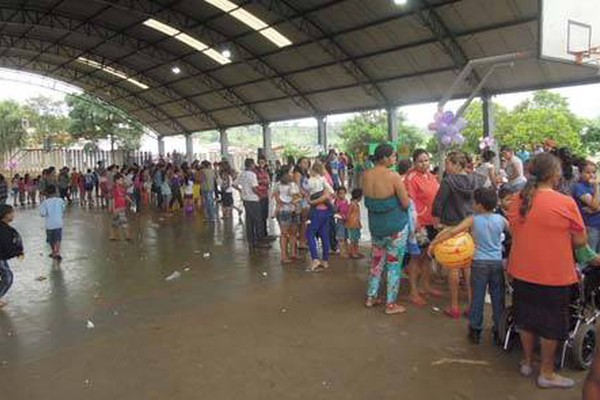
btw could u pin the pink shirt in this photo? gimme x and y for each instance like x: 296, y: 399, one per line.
x: 343, y: 207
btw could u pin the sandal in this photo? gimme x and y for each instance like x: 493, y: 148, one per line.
x: 452, y: 313
x: 394, y: 308
x: 418, y: 301
x: 373, y: 302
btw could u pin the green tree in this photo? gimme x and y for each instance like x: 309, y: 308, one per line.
x: 12, y: 126
x: 371, y: 127
x: 93, y: 120
x: 47, y: 122
x: 545, y: 116
x: 591, y: 136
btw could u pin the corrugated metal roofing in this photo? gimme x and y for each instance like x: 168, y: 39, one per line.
x: 346, y: 55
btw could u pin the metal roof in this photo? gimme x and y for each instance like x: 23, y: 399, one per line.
x: 346, y: 55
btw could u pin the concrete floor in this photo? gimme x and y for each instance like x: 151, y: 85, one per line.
x: 232, y: 327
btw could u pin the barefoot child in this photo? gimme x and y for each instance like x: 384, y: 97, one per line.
x: 353, y: 224
x: 487, y: 271
x: 121, y: 201
x: 342, y: 207
x: 53, y: 209
x: 11, y: 246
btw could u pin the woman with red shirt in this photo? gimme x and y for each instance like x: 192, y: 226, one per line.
x: 546, y: 227
x: 422, y: 188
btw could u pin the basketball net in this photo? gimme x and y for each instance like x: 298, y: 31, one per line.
x: 591, y: 56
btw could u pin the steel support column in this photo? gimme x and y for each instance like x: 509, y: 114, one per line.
x: 161, y: 146
x: 322, y: 132
x: 489, y: 124
x: 189, y: 148
x: 224, y: 142
x: 392, y: 124
x: 267, y: 141
x: 488, y: 115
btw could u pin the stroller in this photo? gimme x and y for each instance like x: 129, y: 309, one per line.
x: 579, y: 347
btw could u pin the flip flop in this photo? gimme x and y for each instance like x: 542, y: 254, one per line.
x: 394, y: 308
x: 419, y: 301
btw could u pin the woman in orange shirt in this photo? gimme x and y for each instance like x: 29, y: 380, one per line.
x: 422, y: 188
x: 546, y: 226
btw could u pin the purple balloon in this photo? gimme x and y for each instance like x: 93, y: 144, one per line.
x: 446, y: 140
x: 459, y: 139
x: 438, y: 116
x: 432, y: 126
x: 461, y: 123
x: 448, y: 117
x: 452, y: 130
x: 442, y: 127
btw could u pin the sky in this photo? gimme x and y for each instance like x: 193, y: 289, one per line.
x: 584, y: 101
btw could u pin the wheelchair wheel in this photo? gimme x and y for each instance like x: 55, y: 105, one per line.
x: 506, y: 332
x: 584, y: 344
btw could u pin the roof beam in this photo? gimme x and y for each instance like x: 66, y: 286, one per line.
x: 74, y: 76
x: 429, y: 18
x: 424, y: 42
x: 61, y: 22
x: 327, y: 42
x: 186, y: 23
x: 38, y: 47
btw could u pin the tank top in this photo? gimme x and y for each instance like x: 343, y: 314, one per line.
x: 386, y: 216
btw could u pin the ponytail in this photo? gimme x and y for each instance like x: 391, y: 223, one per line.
x: 542, y: 168
x: 527, y: 195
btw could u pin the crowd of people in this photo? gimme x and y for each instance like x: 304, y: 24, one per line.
x: 532, y: 221
x: 528, y: 217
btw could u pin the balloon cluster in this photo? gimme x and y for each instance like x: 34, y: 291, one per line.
x: 487, y: 142
x: 448, y: 128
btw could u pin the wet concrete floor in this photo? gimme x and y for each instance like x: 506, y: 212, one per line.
x: 233, y: 326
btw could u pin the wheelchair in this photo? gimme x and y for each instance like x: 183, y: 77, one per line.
x: 578, y: 348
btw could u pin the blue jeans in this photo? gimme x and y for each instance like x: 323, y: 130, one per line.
x: 6, y: 278
x: 484, y: 275
x: 208, y: 199
x: 319, y: 225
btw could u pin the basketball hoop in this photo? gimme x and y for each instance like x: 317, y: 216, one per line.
x: 591, y: 56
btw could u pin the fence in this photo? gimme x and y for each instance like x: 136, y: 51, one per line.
x: 35, y: 160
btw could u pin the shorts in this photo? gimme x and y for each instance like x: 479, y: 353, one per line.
x: 354, y: 235
x: 543, y: 310
x: 341, y: 232
x: 119, y: 219
x: 287, y: 218
x: 53, y: 236
x: 227, y: 199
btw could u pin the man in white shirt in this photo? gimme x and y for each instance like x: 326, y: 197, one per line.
x: 247, y: 184
x: 514, y: 169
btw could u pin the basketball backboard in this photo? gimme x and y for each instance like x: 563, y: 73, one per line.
x: 570, y: 31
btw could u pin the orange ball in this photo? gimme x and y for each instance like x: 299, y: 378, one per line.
x: 456, y: 252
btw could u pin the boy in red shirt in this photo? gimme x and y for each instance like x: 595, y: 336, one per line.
x: 120, y: 200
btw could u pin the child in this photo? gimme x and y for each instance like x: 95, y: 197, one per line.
x: 14, y: 186
x: 342, y: 207
x: 119, y: 209
x: 89, y: 182
x: 53, y: 208
x: 11, y: 246
x: 287, y: 196
x: 32, y: 190
x: 22, y: 192
x: 188, y: 196
x: 353, y: 224
x: 487, y: 229
x: 317, y: 183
